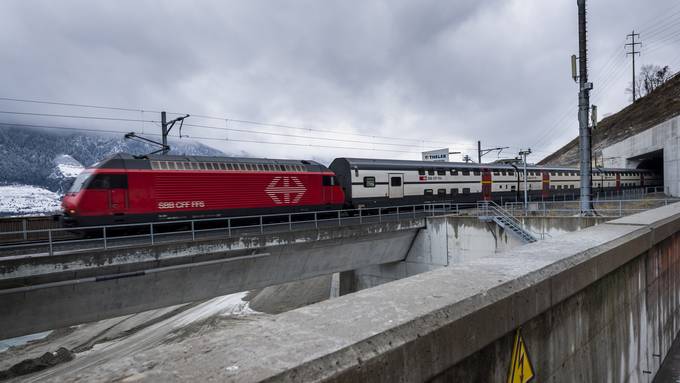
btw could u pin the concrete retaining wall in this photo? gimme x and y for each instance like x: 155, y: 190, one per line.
x: 451, y: 240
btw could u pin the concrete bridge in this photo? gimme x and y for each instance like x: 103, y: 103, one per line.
x: 600, y: 304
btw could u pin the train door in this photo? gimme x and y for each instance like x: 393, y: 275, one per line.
x: 545, y: 185
x: 327, y: 183
x: 396, y: 185
x: 117, y: 200
x: 618, y: 181
x: 486, y: 184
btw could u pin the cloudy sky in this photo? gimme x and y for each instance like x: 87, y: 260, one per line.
x: 343, y: 78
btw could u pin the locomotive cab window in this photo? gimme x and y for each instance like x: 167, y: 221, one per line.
x: 369, y: 182
x: 108, y: 181
x: 329, y: 181
x: 395, y: 181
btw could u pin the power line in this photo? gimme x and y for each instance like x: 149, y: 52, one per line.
x: 226, y: 119
x: 74, y: 116
x: 211, y: 138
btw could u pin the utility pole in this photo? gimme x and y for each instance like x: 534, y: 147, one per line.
x: 583, y: 108
x: 479, y: 152
x: 632, y: 53
x: 482, y: 152
x: 166, y: 126
x: 524, y: 154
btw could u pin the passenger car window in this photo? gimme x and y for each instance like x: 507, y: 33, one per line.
x: 369, y: 182
x: 428, y: 192
x: 430, y: 172
x: 466, y: 172
x: 421, y: 172
x: 454, y: 191
x: 477, y: 172
x: 395, y: 181
x: 441, y: 191
x: 454, y: 172
x: 441, y: 172
x: 466, y: 190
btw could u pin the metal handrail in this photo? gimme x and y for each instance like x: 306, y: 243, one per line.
x: 430, y: 209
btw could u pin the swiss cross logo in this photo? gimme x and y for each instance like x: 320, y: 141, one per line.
x: 285, y: 190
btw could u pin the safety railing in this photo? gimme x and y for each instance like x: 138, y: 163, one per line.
x: 110, y: 236
x: 605, y: 208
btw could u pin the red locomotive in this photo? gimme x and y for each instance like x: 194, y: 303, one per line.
x: 128, y: 189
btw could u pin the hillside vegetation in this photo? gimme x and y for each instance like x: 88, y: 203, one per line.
x: 658, y: 106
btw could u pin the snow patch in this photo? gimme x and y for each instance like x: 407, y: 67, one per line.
x: 27, y: 199
x: 69, y: 171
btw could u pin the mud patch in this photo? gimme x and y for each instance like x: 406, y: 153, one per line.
x: 27, y: 366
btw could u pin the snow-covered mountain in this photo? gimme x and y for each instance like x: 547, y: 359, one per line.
x: 38, y: 166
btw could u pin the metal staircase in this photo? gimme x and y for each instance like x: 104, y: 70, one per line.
x: 490, y: 211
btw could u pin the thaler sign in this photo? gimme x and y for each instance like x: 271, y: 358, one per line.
x: 441, y: 155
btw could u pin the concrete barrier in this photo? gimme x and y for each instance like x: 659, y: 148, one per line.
x: 598, y: 305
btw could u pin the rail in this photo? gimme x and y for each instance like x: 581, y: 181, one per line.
x: 111, y: 236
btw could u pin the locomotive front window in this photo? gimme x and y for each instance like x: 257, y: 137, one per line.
x: 80, y: 182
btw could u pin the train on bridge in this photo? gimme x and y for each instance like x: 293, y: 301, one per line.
x: 130, y: 189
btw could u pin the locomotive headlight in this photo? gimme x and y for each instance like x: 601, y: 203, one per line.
x: 72, y: 211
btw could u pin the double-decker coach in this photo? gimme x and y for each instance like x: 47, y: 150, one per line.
x: 376, y: 182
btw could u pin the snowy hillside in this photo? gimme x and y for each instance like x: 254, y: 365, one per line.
x: 27, y: 200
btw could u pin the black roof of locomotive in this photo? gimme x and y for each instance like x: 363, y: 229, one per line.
x: 128, y: 161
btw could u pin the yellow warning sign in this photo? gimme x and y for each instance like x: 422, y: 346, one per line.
x: 521, y: 370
